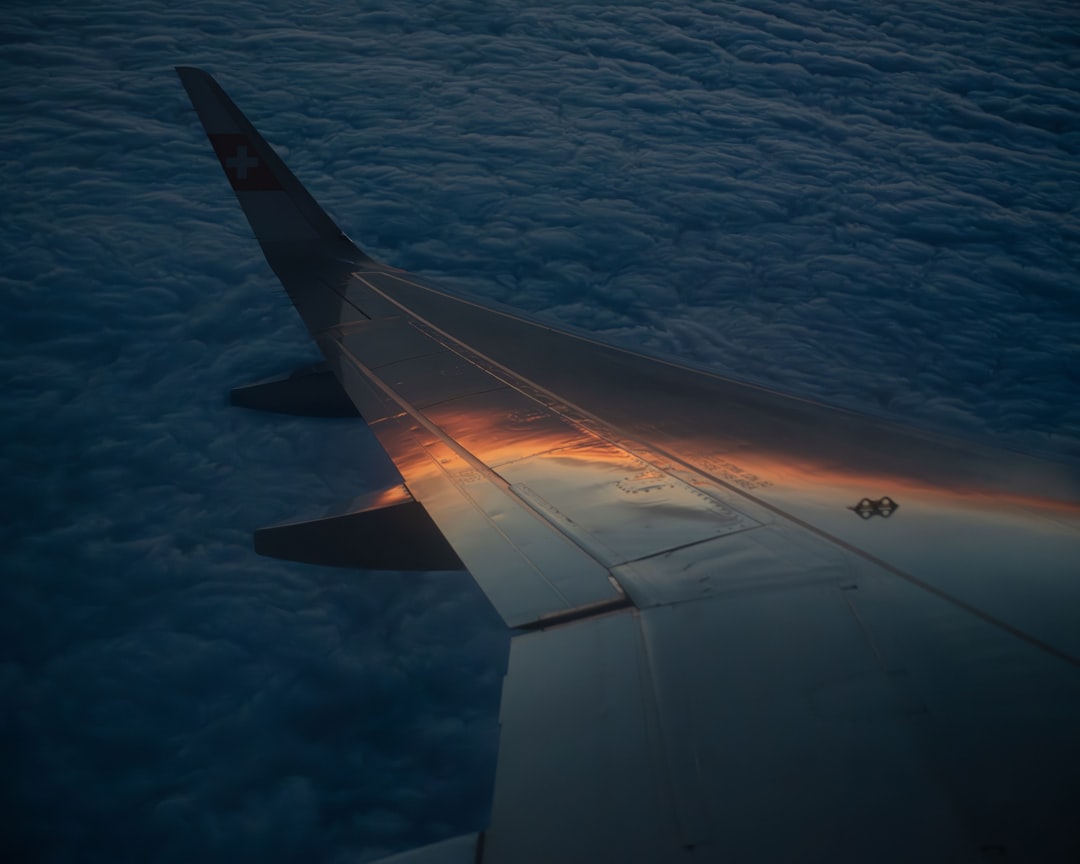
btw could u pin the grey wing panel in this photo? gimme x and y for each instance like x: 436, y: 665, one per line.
x: 815, y: 723
x: 581, y: 773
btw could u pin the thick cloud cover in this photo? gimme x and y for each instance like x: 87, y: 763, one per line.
x: 869, y: 203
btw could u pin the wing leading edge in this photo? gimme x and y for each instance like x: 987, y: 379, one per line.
x: 723, y: 660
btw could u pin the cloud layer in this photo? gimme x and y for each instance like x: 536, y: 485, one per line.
x: 868, y: 203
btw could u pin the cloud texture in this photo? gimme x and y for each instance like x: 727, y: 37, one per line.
x: 873, y: 204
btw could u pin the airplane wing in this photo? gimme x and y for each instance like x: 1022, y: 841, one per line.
x: 747, y: 627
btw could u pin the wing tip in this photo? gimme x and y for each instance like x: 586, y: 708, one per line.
x: 191, y: 73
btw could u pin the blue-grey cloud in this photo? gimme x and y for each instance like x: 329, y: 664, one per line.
x: 871, y: 204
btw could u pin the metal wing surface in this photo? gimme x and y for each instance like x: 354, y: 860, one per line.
x: 748, y: 627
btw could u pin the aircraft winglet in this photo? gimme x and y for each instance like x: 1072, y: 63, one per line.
x: 276, y: 204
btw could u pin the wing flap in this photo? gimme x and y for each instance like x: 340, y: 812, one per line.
x: 788, y: 740
x: 581, y: 749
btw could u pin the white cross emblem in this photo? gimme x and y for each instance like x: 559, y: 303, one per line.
x: 241, y: 162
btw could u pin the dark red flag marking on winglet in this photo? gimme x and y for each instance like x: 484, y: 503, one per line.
x: 246, y: 170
